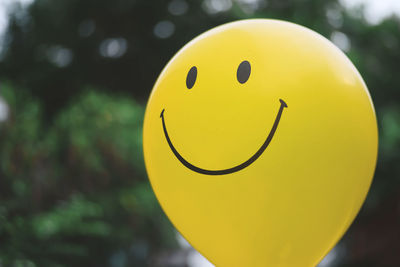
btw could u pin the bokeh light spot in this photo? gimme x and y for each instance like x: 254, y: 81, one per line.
x: 164, y: 29
x: 178, y: 7
x: 113, y: 47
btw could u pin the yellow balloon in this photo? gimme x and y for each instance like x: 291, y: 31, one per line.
x: 260, y: 142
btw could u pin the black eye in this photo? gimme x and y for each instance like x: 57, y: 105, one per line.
x: 191, y: 77
x: 243, y: 71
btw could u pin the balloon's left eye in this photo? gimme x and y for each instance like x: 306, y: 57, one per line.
x: 243, y: 71
x: 191, y: 77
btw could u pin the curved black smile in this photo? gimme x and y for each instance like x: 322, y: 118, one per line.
x: 233, y: 169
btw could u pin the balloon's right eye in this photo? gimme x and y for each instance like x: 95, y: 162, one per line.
x: 243, y: 71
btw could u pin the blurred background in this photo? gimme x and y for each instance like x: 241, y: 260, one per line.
x: 74, y: 79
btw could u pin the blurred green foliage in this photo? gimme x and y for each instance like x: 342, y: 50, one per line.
x: 73, y: 189
x: 76, y: 187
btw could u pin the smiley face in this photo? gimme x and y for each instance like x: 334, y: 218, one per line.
x: 246, y: 179
x: 243, y: 74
